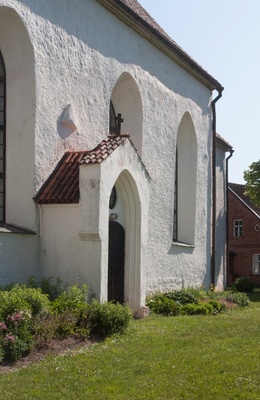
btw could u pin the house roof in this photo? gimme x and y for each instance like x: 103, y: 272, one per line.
x: 62, y: 186
x: 238, y: 190
x: 223, y: 143
x: 133, y: 14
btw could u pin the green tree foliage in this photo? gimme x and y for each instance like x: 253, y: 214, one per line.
x: 252, y: 186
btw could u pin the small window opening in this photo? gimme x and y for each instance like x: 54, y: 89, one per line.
x: 113, y: 197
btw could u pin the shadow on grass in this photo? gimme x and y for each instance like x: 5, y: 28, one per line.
x: 254, y: 296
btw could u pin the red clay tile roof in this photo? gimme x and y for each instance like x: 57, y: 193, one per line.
x: 239, y: 190
x: 103, y: 150
x: 134, y: 11
x: 63, y: 184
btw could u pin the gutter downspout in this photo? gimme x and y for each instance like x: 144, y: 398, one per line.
x: 231, y: 151
x: 213, y: 251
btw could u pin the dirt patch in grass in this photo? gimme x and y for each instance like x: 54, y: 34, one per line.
x: 56, y: 347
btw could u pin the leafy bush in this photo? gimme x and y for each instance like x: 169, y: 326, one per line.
x: 44, y: 328
x: 170, y: 303
x: 217, y: 306
x: 200, y: 308
x: 15, y: 336
x: 163, y: 305
x: 240, y: 299
x: 175, y: 302
x: 199, y: 293
x: 243, y: 284
x: 74, y: 299
x: 106, y: 319
x: 83, y: 326
x: 50, y: 286
x: 10, y: 303
x: 181, y: 296
x: 66, y: 323
x: 28, y: 317
x: 38, y: 301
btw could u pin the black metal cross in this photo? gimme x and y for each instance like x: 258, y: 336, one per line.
x: 119, y: 121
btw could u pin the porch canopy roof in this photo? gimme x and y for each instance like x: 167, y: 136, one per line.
x: 62, y: 186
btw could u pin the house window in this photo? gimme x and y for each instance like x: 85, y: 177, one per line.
x: 238, y: 228
x: 256, y: 264
x: 2, y: 137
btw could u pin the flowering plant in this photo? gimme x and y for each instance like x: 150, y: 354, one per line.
x: 15, y: 336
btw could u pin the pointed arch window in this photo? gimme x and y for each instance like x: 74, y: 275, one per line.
x: 185, y: 185
x: 2, y: 137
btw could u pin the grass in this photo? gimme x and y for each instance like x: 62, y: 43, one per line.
x: 160, y: 358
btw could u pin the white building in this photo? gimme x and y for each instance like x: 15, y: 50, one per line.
x: 124, y: 206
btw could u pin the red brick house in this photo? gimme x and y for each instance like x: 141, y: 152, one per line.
x: 243, y: 235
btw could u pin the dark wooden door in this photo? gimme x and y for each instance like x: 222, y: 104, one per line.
x: 116, y: 262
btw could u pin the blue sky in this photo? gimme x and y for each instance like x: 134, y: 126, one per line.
x: 224, y: 38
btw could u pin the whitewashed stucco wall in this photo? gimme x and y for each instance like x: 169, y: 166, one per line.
x: 62, y: 253
x: 78, y: 60
x: 18, y: 257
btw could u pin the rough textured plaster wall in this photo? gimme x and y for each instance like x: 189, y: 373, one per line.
x: 18, y: 257
x: 169, y: 265
x: 62, y: 253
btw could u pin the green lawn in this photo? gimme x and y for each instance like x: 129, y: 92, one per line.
x: 196, y: 357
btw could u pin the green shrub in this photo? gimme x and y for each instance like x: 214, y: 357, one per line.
x: 163, y: 305
x: 170, y: 303
x: 240, y: 299
x: 106, y: 319
x: 11, y: 302
x: 66, y: 323
x: 44, y: 328
x: 181, y: 296
x: 243, y: 284
x: 200, y: 308
x: 39, y: 302
x: 53, y: 287
x: 83, y: 327
x: 198, y: 292
x: 15, y: 336
x: 217, y: 306
x: 74, y: 299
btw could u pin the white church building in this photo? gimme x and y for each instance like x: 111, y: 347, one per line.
x: 111, y: 171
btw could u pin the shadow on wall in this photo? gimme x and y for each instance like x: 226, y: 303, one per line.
x: 220, y: 259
